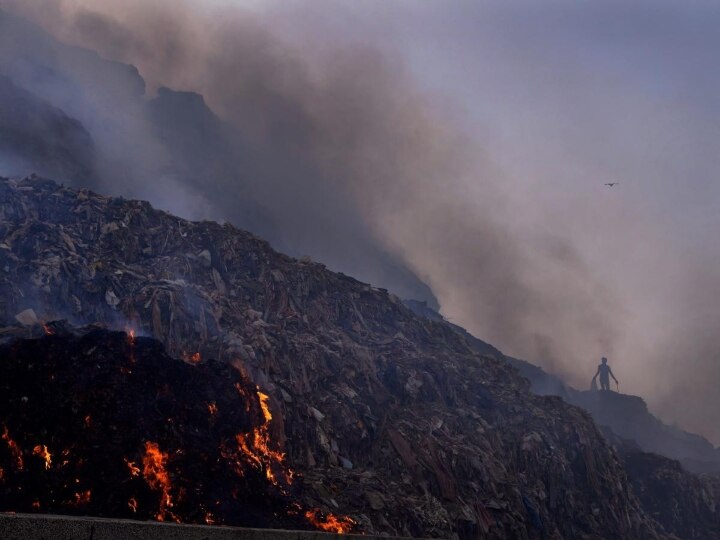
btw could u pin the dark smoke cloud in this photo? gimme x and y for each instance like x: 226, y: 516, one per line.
x: 318, y: 131
x: 259, y: 166
x: 584, y: 93
x: 353, y: 162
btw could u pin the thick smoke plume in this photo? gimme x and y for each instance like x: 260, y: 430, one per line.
x: 331, y: 148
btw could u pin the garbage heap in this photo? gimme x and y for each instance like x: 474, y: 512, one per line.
x: 392, y: 419
x: 682, y: 502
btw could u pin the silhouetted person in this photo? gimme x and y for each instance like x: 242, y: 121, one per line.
x: 605, y: 373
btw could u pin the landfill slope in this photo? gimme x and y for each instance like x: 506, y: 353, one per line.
x: 683, y: 502
x: 392, y: 419
x: 627, y: 416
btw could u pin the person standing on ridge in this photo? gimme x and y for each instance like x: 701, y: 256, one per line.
x: 605, y: 373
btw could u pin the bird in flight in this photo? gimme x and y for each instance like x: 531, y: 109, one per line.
x: 611, y: 184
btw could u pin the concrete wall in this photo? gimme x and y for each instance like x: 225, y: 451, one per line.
x: 51, y: 527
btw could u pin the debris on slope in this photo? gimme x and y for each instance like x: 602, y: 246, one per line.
x: 541, y: 382
x: 685, y: 504
x: 627, y: 416
x: 391, y: 418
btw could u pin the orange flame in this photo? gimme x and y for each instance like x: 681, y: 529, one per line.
x: 255, y: 446
x: 42, y: 451
x: 209, y: 518
x: 255, y: 449
x: 134, y: 470
x: 132, y: 504
x: 14, y: 448
x: 264, y: 398
x: 157, y: 478
x: 48, y: 331
x: 88, y: 421
x: 212, y: 408
x: 329, y: 522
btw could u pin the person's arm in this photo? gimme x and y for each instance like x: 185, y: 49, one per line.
x: 612, y: 375
x: 597, y: 372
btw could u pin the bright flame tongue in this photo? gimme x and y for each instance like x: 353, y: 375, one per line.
x: 42, y: 451
x: 157, y: 478
x: 255, y: 448
x: 264, y: 405
x: 329, y: 522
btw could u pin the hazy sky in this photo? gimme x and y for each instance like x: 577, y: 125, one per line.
x: 489, y: 185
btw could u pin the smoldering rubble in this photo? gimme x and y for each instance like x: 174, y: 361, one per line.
x: 106, y: 424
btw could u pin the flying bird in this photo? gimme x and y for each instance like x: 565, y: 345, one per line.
x: 611, y: 184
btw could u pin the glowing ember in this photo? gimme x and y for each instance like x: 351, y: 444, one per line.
x: 64, y: 462
x: 14, y: 448
x: 36, y: 504
x: 212, y: 408
x: 131, y: 341
x: 209, y: 519
x: 42, y: 451
x: 88, y: 421
x: 192, y: 358
x: 157, y: 478
x: 329, y: 522
x: 244, y: 395
x: 134, y: 469
x: 132, y: 504
x: 83, y: 497
x: 48, y: 331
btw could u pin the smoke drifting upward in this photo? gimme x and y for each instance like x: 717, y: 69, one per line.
x: 331, y: 147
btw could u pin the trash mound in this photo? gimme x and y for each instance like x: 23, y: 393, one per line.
x: 629, y: 417
x: 392, y: 419
x: 684, y: 503
x: 106, y: 424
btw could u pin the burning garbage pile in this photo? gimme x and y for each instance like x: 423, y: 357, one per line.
x: 107, y: 424
x: 365, y: 409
